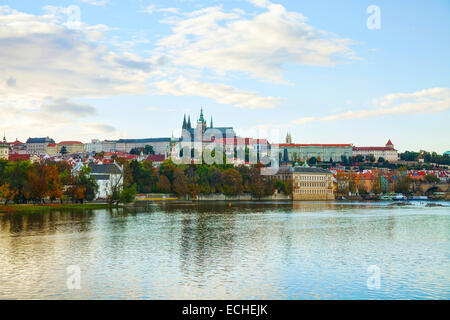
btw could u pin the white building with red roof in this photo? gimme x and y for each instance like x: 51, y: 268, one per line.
x: 388, y: 152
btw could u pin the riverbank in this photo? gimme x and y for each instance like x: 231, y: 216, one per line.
x: 53, y: 206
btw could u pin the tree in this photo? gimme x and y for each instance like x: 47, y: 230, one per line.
x: 7, y: 193
x: 73, y: 190
x: 179, y: 183
x: 167, y: 168
x: 149, y: 149
x: 381, y: 160
x: 359, y: 158
x: 257, y: 189
x: 232, y: 182
x: 88, y: 183
x: 55, y: 187
x: 36, y: 186
x: 371, y: 158
x: 63, y: 150
x: 376, y: 185
x: 163, y: 184
x: 143, y: 174
x: 403, y: 184
x: 128, y: 194
x: 193, y: 188
x: 15, y: 174
x: 312, y: 161
x: 431, y: 178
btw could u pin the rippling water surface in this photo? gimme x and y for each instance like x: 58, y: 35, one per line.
x: 213, y: 251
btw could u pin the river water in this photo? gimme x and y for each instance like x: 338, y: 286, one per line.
x: 286, y: 250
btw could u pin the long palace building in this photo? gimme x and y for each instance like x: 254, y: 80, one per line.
x: 325, y: 152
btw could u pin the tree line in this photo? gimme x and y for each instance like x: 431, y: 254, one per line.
x: 193, y: 179
x: 24, y: 182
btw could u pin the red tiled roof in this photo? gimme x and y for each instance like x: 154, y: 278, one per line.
x: 389, y: 143
x: 312, y: 145
x: 51, y: 145
x: 156, y: 157
x: 373, y: 149
x: 18, y: 157
x: 15, y: 143
x: 70, y: 142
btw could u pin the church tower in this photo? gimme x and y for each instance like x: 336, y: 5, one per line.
x: 184, y: 122
x: 189, y: 127
x: 211, y: 125
x: 288, y: 138
x: 389, y: 144
x: 4, y: 151
x: 201, y: 121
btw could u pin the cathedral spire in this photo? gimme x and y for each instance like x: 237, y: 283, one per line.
x: 201, y: 119
x: 211, y: 123
x: 184, y: 122
x: 189, y: 127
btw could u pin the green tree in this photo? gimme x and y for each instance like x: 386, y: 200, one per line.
x: 431, y: 178
x: 128, y: 194
x: 88, y: 183
x: 312, y: 161
x: 63, y: 150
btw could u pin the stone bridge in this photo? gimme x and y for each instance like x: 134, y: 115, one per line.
x: 429, y: 188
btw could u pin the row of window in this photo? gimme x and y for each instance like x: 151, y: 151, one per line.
x: 312, y: 191
x: 311, y: 178
x: 311, y: 184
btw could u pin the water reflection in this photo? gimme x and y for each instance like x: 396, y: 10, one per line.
x: 216, y: 251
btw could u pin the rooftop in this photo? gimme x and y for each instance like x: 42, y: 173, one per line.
x: 109, y: 168
x: 310, y: 170
x: 70, y: 142
x: 293, y: 145
x: 147, y: 140
x: 40, y: 140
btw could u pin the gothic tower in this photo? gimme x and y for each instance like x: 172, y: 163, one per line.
x: 288, y: 138
x: 184, y: 122
x: 201, y: 121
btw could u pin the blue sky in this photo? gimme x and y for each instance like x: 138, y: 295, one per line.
x: 131, y: 69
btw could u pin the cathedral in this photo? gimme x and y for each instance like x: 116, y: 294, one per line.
x: 201, y: 128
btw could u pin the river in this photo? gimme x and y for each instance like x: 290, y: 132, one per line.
x: 304, y: 250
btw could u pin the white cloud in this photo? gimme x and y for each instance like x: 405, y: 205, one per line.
x: 95, y: 2
x: 48, y: 65
x: 218, y: 92
x: 261, y: 46
x: 431, y: 100
x: 150, y: 9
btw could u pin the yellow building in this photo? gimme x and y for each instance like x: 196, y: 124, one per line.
x: 51, y: 149
x: 312, y: 184
x: 71, y: 146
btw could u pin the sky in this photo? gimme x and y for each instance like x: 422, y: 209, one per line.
x: 352, y: 71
